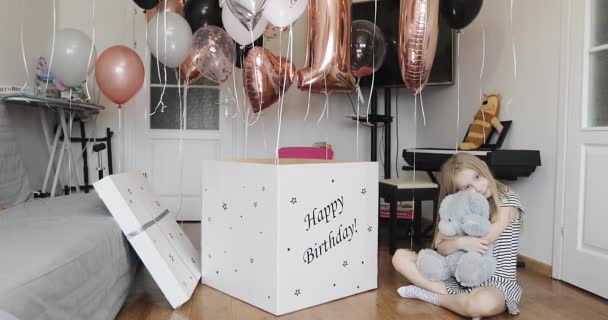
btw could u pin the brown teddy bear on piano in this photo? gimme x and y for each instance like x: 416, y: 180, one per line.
x: 485, y: 119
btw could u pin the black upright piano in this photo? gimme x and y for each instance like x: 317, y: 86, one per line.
x: 505, y: 164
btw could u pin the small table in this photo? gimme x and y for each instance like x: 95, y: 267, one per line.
x: 65, y: 109
x: 416, y: 188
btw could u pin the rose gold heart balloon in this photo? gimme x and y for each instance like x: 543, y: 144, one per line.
x: 266, y: 77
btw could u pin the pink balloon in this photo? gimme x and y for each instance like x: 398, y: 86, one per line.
x: 119, y: 73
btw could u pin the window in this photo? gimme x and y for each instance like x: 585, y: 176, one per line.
x: 597, y: 112
x: 202, y: 110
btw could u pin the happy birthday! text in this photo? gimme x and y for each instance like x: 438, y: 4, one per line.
x: 342, y: 234
x: 325, y: 214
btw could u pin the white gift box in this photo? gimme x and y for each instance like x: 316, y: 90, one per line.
x: 289, y: 236
x: 159, y: 241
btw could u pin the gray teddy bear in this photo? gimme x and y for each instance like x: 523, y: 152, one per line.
x: 462, y: 213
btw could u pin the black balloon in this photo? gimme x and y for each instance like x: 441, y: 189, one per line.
x: 241, y: 51
x: 146, y: 4
x: 200, y: 13
x: 460, y: 13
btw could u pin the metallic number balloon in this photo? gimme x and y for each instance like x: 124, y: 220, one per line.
x: 368, y: 48
x: 327, y: 67
x: 418, y: 30
x: 265, y: 76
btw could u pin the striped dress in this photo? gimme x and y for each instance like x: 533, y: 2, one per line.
x: 505, y: 252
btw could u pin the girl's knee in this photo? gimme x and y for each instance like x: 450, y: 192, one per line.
x: 402, y: 257
x: 485, y: 303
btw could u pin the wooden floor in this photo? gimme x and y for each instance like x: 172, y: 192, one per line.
x: 543, y: 298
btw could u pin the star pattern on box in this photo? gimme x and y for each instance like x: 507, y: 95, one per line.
x: 255, y: 204
x: 251, y: 260
x: 225, y: 206
x: 298, y: 292
x: 345, y: 263
x: 363, y: 191
x: 209, y: 219
x: 263, y: 188
x: 369, y: 228
x: 293, y: 200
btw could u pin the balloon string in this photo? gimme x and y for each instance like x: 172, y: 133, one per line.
x: 245, y: 114
x: 48, y: 75
x: 457, y: 88
x: 264, y: 134
x: 255, y: 74
x: 146, y: 80
x: 236, y: 98
x: 371, y: 90
x: 325, y: 105
x: 513, y: 45
x: 86, y: 82
x: 27, y: 71
x: 162, y: 94
x: 483, y: 59
x: 422, y: 108
x: 289, y: 47
x: 120, y: 134
x: 312, y: 59
x: 357, y: 120
x: 164, y: 53
x: 183, y: 109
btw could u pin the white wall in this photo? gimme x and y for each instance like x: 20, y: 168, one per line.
x: 37, y: 18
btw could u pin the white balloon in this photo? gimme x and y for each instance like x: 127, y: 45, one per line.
x: 282, y: 13
x: 238, y: 32
x: 71, y: 57
x: 177, y: 34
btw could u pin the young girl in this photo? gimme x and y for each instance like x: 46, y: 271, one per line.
x: 501, y: 292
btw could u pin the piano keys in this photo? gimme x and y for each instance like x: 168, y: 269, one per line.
x: 505, y: 164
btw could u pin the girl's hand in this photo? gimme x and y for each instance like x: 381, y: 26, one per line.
x: 473, y: 244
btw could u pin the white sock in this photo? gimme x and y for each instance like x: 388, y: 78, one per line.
x: 418, y: 293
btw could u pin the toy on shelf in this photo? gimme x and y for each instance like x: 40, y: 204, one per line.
x: 484, y: 121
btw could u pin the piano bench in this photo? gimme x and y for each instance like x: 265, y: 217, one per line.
x: 406, y: 189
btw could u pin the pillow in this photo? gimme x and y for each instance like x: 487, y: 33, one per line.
x: 14, y: 182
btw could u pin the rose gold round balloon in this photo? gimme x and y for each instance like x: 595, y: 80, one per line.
x: 119, y: 73
x: 266, y: 77
x: 176, y: 6
x: 418, y: 29
x: 327, y: 67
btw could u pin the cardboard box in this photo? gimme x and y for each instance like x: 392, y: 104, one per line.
x: 289, y: 236
x: 159, y: 241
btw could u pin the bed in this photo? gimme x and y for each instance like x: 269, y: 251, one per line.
x: 63, y: 258
x: 60, y: 258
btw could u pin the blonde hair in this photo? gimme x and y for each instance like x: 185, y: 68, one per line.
x: 459, y: 162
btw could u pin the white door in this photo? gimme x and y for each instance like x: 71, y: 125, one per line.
x: 157, y: 134
x: 585, y: 244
